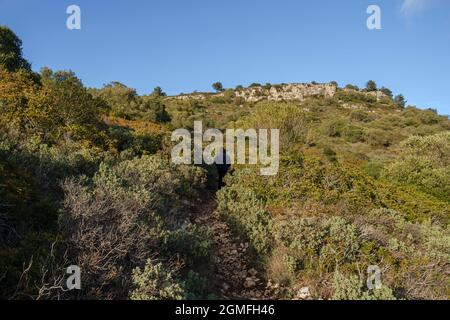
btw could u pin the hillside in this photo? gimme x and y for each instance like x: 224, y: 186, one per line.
x: 86, y: 179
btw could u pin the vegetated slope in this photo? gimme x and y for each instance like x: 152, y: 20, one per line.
x: 360, y: 183
x: 86, y: 179
x: 363, y: 181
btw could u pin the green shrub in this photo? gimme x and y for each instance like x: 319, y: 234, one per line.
x: 353, y: 134
x: 351, y: 288
x: 194, y: 245
x: 334, y: 127
x: 373, y: 169
x: 371, y: 86
x: 378, y: 138
x: 248, y: 216
x: 119, y: 218
x: 154, y: 282
x: 361, y: 116
x: 330, y: 154
x: 352, y: 87
x: 282, y: 268
x: 424, y: 164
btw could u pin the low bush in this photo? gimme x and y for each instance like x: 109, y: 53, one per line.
x: 315, y: 222
x: 118, y: 220
x: 424, y: 163
x: 155, y: 282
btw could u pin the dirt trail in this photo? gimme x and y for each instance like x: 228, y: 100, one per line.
x: 235, y: 278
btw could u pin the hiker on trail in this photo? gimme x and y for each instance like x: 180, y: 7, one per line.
x: 223, y: 164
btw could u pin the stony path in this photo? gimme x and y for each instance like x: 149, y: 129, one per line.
x: 235, y: 278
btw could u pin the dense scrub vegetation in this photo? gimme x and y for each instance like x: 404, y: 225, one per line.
x: 86, y: 179
x: 361, y: 183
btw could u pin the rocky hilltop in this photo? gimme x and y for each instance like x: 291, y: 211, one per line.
x: 279, y: 92
x: 294, y: 91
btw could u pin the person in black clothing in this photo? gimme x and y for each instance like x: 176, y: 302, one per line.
x: 223, y: 165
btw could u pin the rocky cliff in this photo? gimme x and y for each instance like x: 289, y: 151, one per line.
x: 292, y: 91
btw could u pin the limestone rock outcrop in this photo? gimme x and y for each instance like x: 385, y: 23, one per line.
x: 279, y: 92
x: 294, y: 91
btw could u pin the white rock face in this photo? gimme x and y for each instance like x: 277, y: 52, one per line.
x: 293, y: 91
x: 377, y: 94
x: 197, y: 96
x: 287, y: 92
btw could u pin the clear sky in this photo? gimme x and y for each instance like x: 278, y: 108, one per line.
x: 185, y: 45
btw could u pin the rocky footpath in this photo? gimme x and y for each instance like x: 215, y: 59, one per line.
x: 235, y: 277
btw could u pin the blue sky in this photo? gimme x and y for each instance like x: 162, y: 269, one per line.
x: 184, y: 46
